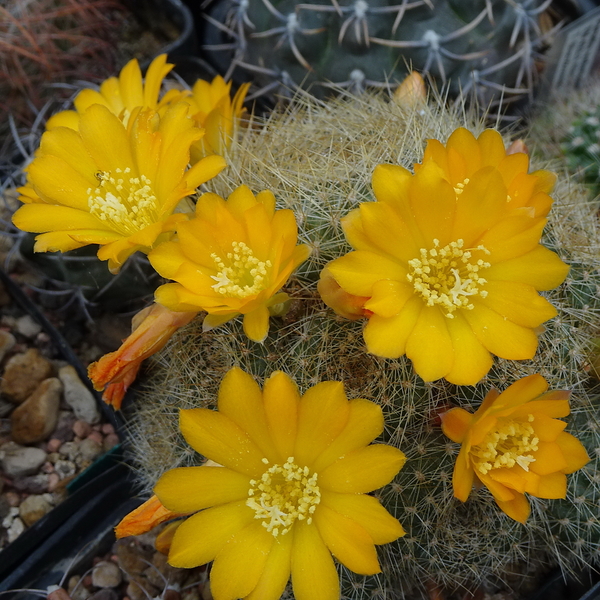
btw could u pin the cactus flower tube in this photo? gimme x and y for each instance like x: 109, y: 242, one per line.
x: 231, y: 259
x: 451, y: 272
x: 121, y: 95
x: 151, y: 330
x: 111, y: 184
x: 515, y: 444
x: 292, y: 489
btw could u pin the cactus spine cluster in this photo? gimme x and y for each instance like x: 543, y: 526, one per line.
x: 487, y: 47
x: 318, y: 160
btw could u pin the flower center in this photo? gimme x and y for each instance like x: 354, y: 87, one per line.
x: 448, y: 276
x: 243, y: 275
x: 510, y: 445
x: 283, y: 494
x: 128, y: 203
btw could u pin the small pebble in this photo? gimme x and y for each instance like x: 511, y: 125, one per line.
x: 65, y: 468
x: 104, y: 594
x: 81, y: 429
x: 27, y: 327
x: 33, y: 508
x: 106, y: 574
x: 16, y: 528
x: 110, y: 441
x: 13, y: 498
x: 53, y: 480
x: 96, y: 436
x: 107, y: 428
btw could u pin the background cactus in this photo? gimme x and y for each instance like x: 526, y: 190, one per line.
x: 489, y: 47
x: 318, y: 160
x: 582, y: 146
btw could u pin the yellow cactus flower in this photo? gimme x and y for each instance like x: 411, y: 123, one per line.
x: 112, y: 184
x: 450, y: 274
x: 514, y: 444
x: 213, y: 109
x: 231, y: 259
x: 121, y: 95
x: 289, y: 490
x: 464, y: 155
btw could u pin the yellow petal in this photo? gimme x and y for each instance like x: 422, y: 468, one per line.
x: 130, y: 80
x: 517, y: 508
x: 387, y: 336
x: 491, y: 147
x: 59, y: 183
x: 241, y: 400
x: 540, y: 268
x: 479, y: 206
x: 314, y: 576
x: 518, y: 302
x: 574, y: 452
x: 322, y: 414
x: 499, y: 491
x: 56, y: 241
x: 520, y: 392
x: 363, y: 470
x: 547, y: 429
x: 276, y: 571
x: 200, y: 537
x: 281, y: 401
x: 105, y: 139
x: 157, y: 71
x: 512, y: 237
x: 215, y: 436
x: 239, y: 564
x: 552, y: 486
x: 357, y: 272
x: 390, y: 183
x: 433, y: 203
x: 455, y: 423
x: 256, y: 324
x: 203, y: 170
x: 43, y: 217
x: 463, y: 476
x: 471, y: 360
x: 548, y: 459
x: 64, y: 118
x: 552, y: 404
x: 189, y: 489
x: 347, y: 541
x: 368, y: 512
x: 87, y: 97
x: 500, y: 336
x: 365, y: 423
x: 389, y: 297
x: 66, y: 144
x: 384, y: 229
x: 430, y: 346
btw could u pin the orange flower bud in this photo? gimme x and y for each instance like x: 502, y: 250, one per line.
x: 344, y: 304
x: 144, y: 518
x: 151, y: 330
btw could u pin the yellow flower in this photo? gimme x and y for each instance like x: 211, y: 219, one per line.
x: 121, y: 95
x: 112, y: 184
x: 464, y: 155
x: 213, y: 109
x: 231, y: 259
x: 291, y: 491
x: 515, y: 444
x: 451, y: 275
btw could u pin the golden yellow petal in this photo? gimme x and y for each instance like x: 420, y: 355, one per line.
x: 281, y: 400
x: 552, y: 486
x: 456, y: 423
x: 239, y: 564
x: 429, y: 346
x: 190, y: 489
x: 314, y: 576
x: 574, y: 452
x: 368, y: 512
x: 390, y: 183
x: 347, y: 541
x: 491, y: 146
x: 516, y: 508
x: 463, y: 476
x: 256, y: 324
x: 389, y: 297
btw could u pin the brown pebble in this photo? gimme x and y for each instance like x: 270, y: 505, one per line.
x: 107, y: 428
x: 13, y: 498
x: 110, y: 441
x: 96, y: 436
x: 53, y: 481
x: 87, y: 581
x: 81, y: 429
x: 53, y: 445
x: 47, y: 467
x: 97, y: 427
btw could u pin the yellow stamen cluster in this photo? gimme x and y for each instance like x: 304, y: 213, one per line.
x: 510, y: 445
x: 460, y: 187
x: 283, y: 494
x: 128, y: 203
x: 244, y: 275
x: 448, y: 276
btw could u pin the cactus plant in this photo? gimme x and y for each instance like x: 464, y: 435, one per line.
x: 581, y: 146
x: 318, y: 159
x: 488, y: 47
